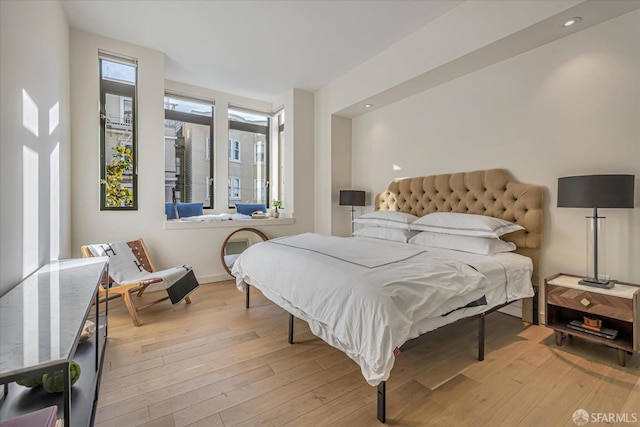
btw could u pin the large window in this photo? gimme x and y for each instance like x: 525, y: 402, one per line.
x: 248, y: 156
x: 188, y: 136
x: 118, y: 172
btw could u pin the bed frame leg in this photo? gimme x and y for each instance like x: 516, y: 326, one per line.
x: 246, y: 302
x: 290, y: 328
x: 382, y: 402
x: 481, y: 338
x: 536, y: 301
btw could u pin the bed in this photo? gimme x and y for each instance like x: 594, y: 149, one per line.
x: 368, y: 296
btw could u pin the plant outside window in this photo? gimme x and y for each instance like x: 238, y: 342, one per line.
x: 116, y: 194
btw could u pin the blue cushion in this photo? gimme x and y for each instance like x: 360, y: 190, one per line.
x: 249, y: 208
x: 184, y: 210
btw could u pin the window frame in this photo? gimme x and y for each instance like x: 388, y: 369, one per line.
x: 198, y: 119
x: 263, y: 130
x: 112, y: 87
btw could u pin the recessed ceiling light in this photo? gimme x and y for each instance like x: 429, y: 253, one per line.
x: 368, y: 105
x: 571, y: 21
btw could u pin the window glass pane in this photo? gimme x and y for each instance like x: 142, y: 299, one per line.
x: 258, y: 152
x: 259, y: 189
x: 234, y: 151
x: 187, y: 106
x: 234, y: 188
x: 247, y: 117
x: 118, y: 180
x: 187, y: 165
x: 117, y: 72
x: 248, y: 153
x: 188, y: 149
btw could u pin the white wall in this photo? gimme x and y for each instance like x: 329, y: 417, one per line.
x: 340, y: 174
x: 432, y: 55
x: 34, y: 218
x: 567, y: 108
x: 199, y: 247
x: 299, y: 131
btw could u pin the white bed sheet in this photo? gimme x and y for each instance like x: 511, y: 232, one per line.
x: 505, y: 287
x: 367, y: 297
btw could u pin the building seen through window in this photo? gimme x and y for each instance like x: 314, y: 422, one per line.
x: 189, y: 154
x: 248, y: 157
x: 188, y: 136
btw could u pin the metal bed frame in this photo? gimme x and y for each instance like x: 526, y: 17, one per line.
x: 382, y: 387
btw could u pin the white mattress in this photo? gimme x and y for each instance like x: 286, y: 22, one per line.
x: 503, y: 289
x: 367, y: 297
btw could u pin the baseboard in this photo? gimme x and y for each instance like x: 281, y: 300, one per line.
x: 214, y: 278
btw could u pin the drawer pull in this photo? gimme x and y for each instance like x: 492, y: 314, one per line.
x: 585, y: 302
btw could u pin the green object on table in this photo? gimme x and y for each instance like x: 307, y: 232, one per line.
x: 54, y: 383
x: 30, y: 382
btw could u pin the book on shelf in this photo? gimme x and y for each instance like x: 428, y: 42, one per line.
x: 607, y: 333
x: 43, y: 418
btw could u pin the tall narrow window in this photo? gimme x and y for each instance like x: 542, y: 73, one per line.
x: 259, y: 189
x: 280, y: 132
x: 258, y: 152
x: 118, y: 171
x: 234, y: 188
x: 188, y: 136
x: 234, y: 151
x: 249, y: 140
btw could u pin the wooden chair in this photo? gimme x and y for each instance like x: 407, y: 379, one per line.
x: 115, y: 290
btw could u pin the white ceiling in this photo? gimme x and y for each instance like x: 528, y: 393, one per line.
x: 257, y: 49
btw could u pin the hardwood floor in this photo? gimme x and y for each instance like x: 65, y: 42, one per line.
x: 214, y: 363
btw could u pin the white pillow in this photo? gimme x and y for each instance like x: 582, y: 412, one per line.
x: 464, y: 224
x: 384, y: 233
x: 389, y: 219
x: 476, y: 245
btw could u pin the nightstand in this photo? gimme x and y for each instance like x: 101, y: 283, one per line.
x: 618, y: 308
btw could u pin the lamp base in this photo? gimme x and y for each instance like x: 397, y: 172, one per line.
x: 590, y: 281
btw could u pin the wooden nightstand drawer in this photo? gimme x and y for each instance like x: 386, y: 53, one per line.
x: 590, y: 302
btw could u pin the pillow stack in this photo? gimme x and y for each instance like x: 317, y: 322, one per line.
x: 477, y: 234
x: 386, y: 225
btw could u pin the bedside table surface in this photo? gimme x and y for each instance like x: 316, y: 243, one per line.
x: 619, y: 290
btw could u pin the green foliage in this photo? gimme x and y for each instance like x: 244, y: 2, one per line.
x: 276, y: 204
x: 54, y: 382
x: 116, y: 194
x: 30, y: 382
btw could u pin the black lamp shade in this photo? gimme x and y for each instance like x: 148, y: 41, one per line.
x: 351, y: 198
x: 596, y: 191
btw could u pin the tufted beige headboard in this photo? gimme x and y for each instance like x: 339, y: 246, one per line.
x: 484, y: 192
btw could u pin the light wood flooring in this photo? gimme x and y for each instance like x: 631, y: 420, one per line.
x: 214, y: 363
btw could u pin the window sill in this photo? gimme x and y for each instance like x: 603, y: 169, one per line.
x: 186, y: 225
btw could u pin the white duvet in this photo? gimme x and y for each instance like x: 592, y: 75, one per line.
x: 364, y: 297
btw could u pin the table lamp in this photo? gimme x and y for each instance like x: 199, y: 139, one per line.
x: 596, y: 191
x: 352, y: 198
